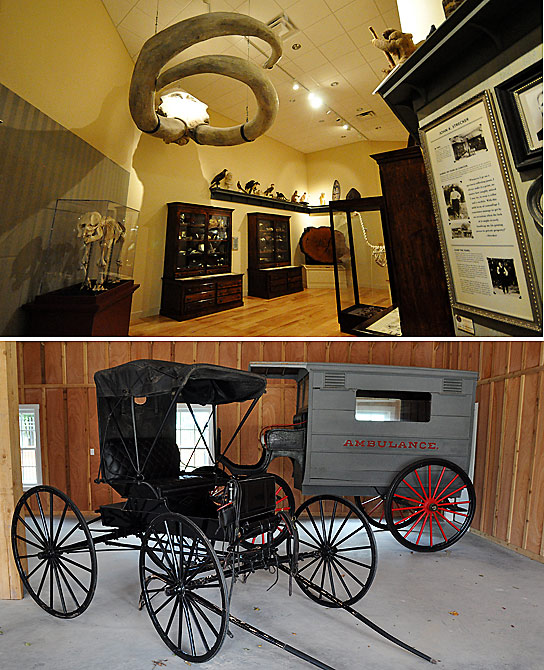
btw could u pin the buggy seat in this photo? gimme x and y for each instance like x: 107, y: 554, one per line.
x: 161, y: 469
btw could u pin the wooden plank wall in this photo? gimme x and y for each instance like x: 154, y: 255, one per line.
x: 509, y: 475
x: 509, y: 471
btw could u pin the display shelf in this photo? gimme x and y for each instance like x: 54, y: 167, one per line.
x: 264, y: 201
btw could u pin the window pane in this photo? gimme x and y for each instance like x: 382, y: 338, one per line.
x: 392, y: 406
x: 192, y: 446
x: 29, y: 440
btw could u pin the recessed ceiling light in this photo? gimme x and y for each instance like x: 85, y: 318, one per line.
x: 329, y: 111
x: 334, y: 83
x: 315, y: 100
x: 296, y: 86
x: 345, y: 126
x: 296, y: 46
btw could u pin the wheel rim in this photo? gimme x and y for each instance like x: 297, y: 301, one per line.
x: 430, y: 505
x: 373, y: 510
x: 285, y: 502
x: 183, y: 588
x: 54, y: 552
x: 337, y: 550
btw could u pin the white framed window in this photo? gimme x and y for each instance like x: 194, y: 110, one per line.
x: 192, y: 449
x: 392, y: 406
x: 29, y: 440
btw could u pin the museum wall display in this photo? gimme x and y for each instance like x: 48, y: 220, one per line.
x: 482, y: 161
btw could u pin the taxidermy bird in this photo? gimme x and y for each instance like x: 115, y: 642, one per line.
x: 280, y: 195
x: 269, y: 190
x: 240, y: 187
x: 218, y: 178
x: 250, y: 186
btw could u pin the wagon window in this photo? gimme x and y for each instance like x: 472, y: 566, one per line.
x: 302, y: 402
x: 192, y: 450
x: 392, y: 406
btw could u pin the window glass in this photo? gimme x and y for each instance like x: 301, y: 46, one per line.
x: 392, y: 406
x: 29, y: 440
x: 303, y: 389
x: 192, y: 448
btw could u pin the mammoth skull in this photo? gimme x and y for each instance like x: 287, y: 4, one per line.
x: 147, y: 80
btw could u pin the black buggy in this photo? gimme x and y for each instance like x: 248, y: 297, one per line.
x: 194, y: 530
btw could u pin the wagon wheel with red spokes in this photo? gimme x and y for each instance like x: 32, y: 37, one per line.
x: 285, y: 502
x: 430, y: 505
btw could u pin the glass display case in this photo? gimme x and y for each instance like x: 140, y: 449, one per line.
x: 364, y: 293
x: 91, y: 247
x: 270, y: 273
x: 198, y: 240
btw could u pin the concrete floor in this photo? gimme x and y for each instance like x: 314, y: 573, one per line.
x: 498, y: 597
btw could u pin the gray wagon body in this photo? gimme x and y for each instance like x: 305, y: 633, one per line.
x: 341, y: 454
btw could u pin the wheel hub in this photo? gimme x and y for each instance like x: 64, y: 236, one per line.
x: 431, y: 506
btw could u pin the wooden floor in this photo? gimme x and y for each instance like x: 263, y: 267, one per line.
x: 310, y: 313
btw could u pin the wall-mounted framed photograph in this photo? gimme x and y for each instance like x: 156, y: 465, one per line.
x: 520, y: 101
x: 489, y: 268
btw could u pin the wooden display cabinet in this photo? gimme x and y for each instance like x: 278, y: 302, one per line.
x: 270, y: 273
x: 197, y: 276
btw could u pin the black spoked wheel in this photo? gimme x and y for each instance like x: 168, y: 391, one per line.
x: 183, y: 588
x: 373, y: 510
x: 337, y: 550
x: 430, y: 505
x: 54, y: 552
x: 285, y: 502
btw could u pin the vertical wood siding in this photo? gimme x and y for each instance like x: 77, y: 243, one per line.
x: 509, y: 470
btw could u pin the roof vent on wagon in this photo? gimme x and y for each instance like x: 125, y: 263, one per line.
x: 334, y: 380
x: 452, y: 385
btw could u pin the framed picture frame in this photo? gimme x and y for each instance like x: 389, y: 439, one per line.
x: 489, y: 269
x: 520, y: 102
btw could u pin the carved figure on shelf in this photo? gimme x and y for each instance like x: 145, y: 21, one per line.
x: 229, y: 180
x: 251, y: 185
x: 322, y: 199
x: 398, y: 46
x: 295, y: 197
x: 280, y: 195
x: 304, y: 198
x: 269, y: 190
x: 218, y: 178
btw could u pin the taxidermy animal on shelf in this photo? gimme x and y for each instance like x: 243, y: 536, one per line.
x: 218, y: 178
x: 240, y: 187
x: 150, y: 82
x: 294, y: 197
x: 250, y: 186
x: 398, y: 46
x: 269, y: 190
x: 280, y: 195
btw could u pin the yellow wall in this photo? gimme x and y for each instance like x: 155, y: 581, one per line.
x: 66, y: 58
x: 350, y: 164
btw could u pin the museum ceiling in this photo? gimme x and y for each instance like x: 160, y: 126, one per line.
x: 327, y: 50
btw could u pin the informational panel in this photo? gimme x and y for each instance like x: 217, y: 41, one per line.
x: 483, y: 238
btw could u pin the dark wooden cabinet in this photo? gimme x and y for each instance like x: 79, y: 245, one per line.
x: 197, y: 276
x: 189, y: 297
x: 413, y: 247
x: 270, y: 273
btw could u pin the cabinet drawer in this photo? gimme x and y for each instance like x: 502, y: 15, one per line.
x: 200, y: 288
x: 235, y: 283
x: 226, y: 290
x: 293, y: 273
x: 204, y: 295
x: 191, y: 307
x: 230, y: 297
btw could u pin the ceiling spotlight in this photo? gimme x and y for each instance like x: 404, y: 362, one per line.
x: 315, y: 100
x: 334, y: 83
x: 329, y: 111
x: 296, y: 86
x: 296, y: 46
x: 345, y: 126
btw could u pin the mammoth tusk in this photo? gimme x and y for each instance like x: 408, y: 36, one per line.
x: 163, y: 46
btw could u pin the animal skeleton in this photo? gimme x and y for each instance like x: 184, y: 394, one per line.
x: 377, y: 250
x: 148, y: 80
x: 93, y: 227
